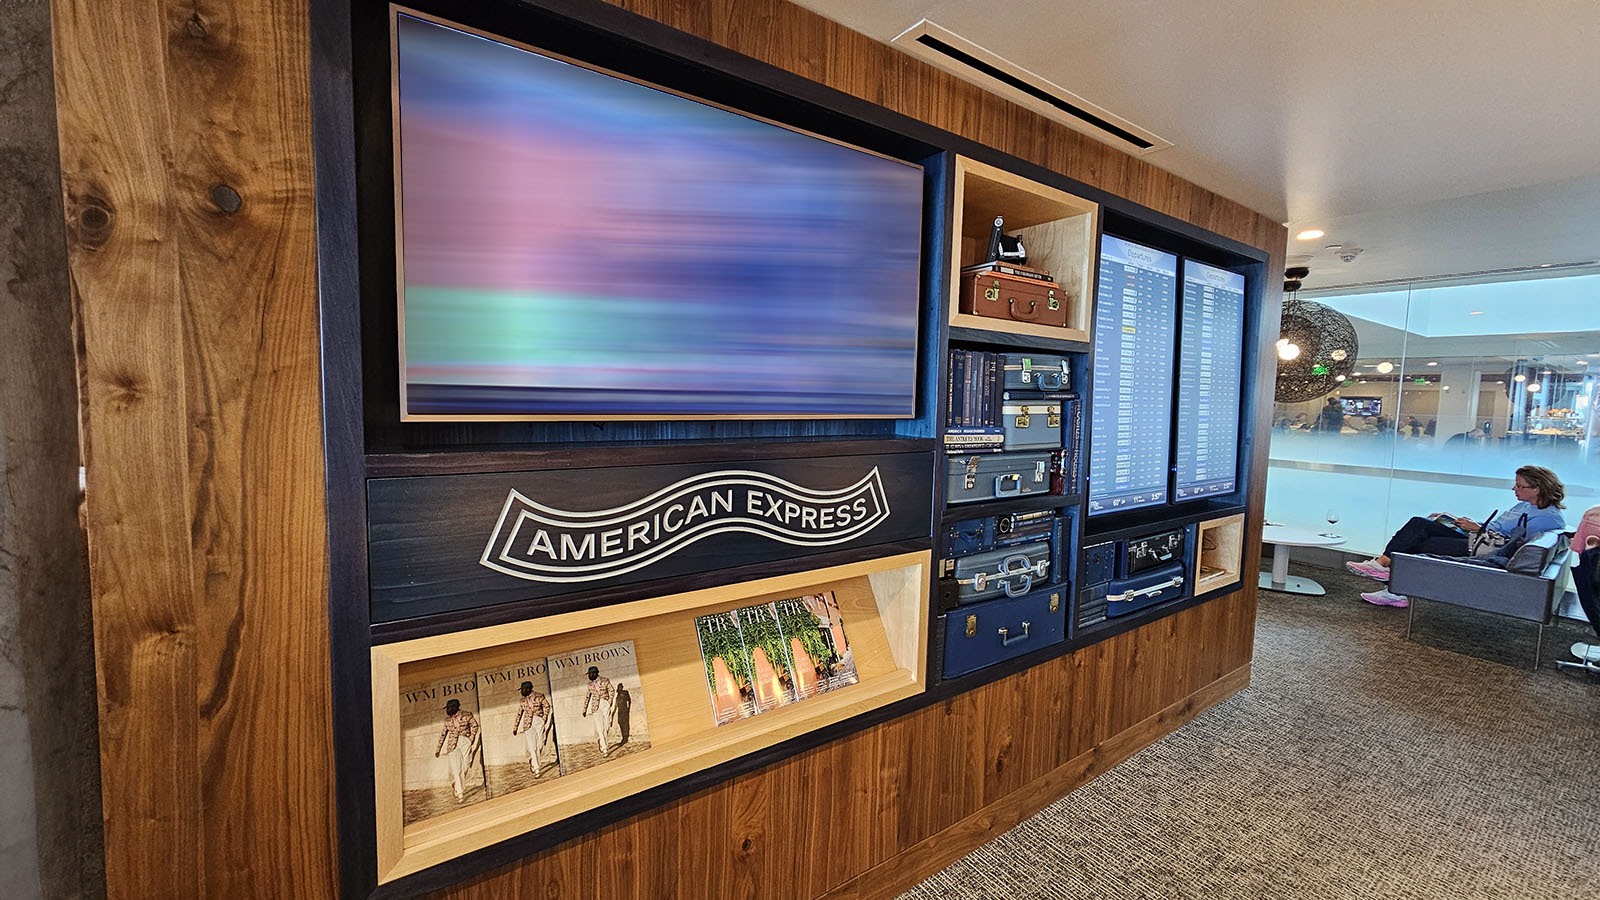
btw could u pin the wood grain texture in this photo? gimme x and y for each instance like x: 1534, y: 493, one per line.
x: 207, y: 534
x: 868, y: 815
x: 202, y: 440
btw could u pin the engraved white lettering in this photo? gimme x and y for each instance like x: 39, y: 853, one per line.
x: 571, y: 549
x: 541, y: 544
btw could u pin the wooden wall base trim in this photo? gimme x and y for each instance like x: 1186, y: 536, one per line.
x: 903, y: 871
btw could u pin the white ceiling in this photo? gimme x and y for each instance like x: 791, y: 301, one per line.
x: 1440, y: 136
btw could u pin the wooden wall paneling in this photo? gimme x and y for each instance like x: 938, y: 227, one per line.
x: 206, y: 528
x: 186, y: 171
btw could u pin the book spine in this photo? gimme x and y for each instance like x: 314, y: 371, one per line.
x: 994, y: 388
x: 1009, y: 269
x: 969, y: 407
x: 952, y: 412
x: 1074, y: 421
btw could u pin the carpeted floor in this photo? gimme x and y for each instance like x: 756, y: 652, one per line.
x: 1357, y: 764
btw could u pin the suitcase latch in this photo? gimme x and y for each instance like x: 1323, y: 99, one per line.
x: 972, y: 626
x: 1055, y: 602
x: 1053, y: 303
x: 1022, y: 419
x: 972, y: 472
x: 1039, y: 473
x: 1053, y: 420
x: 992, y: 292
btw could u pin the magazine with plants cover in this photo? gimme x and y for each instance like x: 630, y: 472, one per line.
x: 815, y: 635
x: 727, y: 672
x: 766, y: 657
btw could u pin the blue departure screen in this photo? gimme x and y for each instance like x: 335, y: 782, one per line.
x: 1210, y: 359
x: 1135, y: 323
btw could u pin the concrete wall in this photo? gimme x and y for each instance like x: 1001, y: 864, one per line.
x: 50, y: 832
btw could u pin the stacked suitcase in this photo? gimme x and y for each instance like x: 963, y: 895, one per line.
x: 1012, y: 433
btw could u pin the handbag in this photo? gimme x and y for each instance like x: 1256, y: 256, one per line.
x: 1489, y: 541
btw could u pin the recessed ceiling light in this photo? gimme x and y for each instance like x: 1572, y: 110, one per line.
x: 1534, y: 388
x: 1338, y: 378
x: 1544, y: 265
x: 1445, y: 388
x: 1519, y: 378
x: 1310, y: 234
x: 1433, y: 362
x: 1499, y: 382
x: 1545, y: 372
x: 1386, y: 367
x: 1476, y: 312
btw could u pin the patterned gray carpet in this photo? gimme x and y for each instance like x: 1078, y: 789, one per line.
x: 1356, y: 765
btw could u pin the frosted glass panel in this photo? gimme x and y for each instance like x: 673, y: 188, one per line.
x: 1454, y: 388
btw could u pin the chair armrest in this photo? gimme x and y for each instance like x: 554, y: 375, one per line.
x: 1458, y: 583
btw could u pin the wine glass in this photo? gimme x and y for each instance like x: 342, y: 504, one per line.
x: 1332, y: 515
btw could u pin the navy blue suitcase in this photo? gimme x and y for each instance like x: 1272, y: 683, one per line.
x: 1126, y: 595
x: 986, y: 633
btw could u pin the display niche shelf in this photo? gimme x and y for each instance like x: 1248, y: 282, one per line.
x: 883, y: 609
x: 1058, y: 230
x: 1219, y: 554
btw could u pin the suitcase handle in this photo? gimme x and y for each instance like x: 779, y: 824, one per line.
x: 1007, y: 485
x: 1005, y: 638
x: 1033, y: 311
x: 1009, y: 570
x: 1174, y: 581
x: 1044, y: 379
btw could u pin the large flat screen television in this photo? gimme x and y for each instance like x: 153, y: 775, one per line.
x: 1135, y: 326
x: 574, y: 244
x: 1210, y: 363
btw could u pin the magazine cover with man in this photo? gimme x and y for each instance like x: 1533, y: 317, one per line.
x: 599, y: 705
x: 519, y: 727
x: 441, y: 747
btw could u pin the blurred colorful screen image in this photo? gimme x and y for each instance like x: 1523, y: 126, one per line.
x: 575, y: 244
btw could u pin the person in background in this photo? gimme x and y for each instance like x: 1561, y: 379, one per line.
x: 1432, y: 429
x: 1586, y: 579
x: 1413, y: 426
x: 1301, y: 423
x: 1538, y: 509
x: 1331, y: 419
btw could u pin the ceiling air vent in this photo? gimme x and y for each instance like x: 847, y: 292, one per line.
x: 970, y: 62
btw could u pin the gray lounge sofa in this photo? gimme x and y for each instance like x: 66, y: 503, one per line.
x: 1526, y: 589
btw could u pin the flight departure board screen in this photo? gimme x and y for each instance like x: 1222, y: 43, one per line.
x: 1135, y: 326
x: 1210, y: 359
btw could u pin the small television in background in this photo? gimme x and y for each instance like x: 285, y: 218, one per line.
x: 1362, y: 406
x: 577, y: 245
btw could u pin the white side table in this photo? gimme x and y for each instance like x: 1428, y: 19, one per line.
x: 1282, y: 537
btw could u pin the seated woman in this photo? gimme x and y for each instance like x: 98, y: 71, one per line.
x: 1537, y: 510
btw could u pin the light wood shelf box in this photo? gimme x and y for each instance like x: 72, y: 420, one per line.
x: 1057, y: 228
x: 883, y: 603
x: 1219, y: 554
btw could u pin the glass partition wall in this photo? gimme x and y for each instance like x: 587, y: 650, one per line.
x: 1455, y: 386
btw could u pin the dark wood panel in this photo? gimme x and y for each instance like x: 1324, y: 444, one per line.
x: 445, y: 544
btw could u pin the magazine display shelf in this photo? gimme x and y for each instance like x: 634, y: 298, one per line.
x: 884, y: 605
x: 1219, y: 553
x: 1057, y: 228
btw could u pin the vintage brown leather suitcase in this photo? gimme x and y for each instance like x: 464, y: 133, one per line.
x: 1000, y: 296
